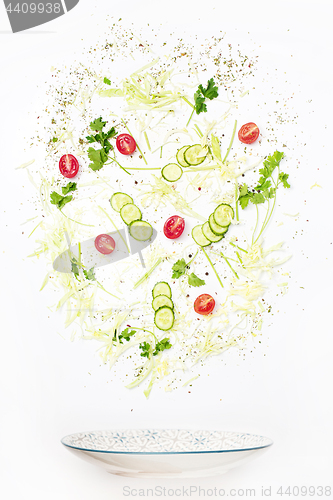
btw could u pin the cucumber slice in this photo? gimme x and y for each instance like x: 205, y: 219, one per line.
x: 223, y: 214
x: 180, y: 156
x: 164, y: 318
x: 161, y: 301
x: 216, y: 228
x: 130, y: 213
x: 118, y: 200
x: 140, y: 230
x: 172, y: 172
x: 194, y: 155
x: 162, y: 288
x: 214, y: 238
x: 199, y: 237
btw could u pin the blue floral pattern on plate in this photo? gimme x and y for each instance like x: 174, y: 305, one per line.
x: 165, y: 441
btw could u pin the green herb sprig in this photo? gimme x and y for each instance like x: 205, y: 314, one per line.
x: 267, y: 186
x: 266, y: 189
x: 193, y: 280
x: 200, y: 96
x: 71, y: 186
x: 76, y: 265
x: 124, y: 335
x: 99, y: 157
x: 148, y: 350
x: 180, y: 269
x: 61, y: 200
x: 89, y: 274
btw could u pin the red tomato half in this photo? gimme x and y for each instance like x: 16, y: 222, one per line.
x: 204, y: 304
x: 125, y: 143
x: 104, y: 244
x: 174, y: 227
x: 68, y: 166
x: 248, y: 133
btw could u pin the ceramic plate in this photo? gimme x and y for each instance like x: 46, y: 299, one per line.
x: 168, y: 452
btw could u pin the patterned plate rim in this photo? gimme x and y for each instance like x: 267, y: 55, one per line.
x: 269, y: 442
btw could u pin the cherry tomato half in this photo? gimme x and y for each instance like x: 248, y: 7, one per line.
x: 204, y: 304
x: 125, y: 143
x: 68, y: 166
x: 174, y: 227
x: 248, y: 133
x: 105, y: 244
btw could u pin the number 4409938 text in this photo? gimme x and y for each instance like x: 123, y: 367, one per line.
x: 34, y: 8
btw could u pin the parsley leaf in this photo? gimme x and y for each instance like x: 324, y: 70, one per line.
x: 270, y: 164
x: 243, y: 190
x: 89, y: 274
x: 284, y: 179
x: 193, y: 280
x: 146, y: 350
x: 210, y: 92
x: 179, y: 268
x: 161, y: 346
x: 71, y: 186
x: 75, y: 267
x: 92, y: 138
x: 200, y: 105
x: 107, y: 81
x: 97, y: 124
x: 125, y: 334
x: 263, y: 184
x: 100, y: 156
x: 103, y: 138
x: 111, y: 133
x: 258, y: 198
x: 58, y: 200
x: 244, y: 200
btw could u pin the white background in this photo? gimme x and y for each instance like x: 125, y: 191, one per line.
x: 51, y: 387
